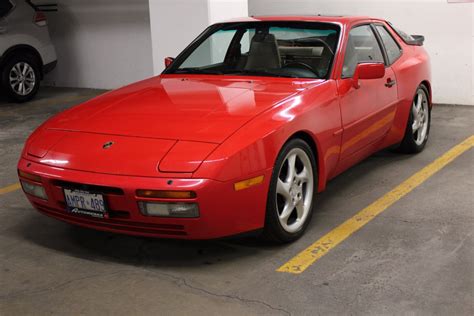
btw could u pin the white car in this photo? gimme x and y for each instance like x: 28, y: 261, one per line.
x: 26, y: 51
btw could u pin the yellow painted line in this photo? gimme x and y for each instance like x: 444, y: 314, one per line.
x: 314, y: 252
x: 10, y: 188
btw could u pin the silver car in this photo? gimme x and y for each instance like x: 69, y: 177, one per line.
x: 26, y: 51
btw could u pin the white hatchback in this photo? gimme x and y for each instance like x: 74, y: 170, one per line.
x: 26, y: 51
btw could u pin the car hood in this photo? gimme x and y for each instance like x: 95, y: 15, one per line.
x: 169, y: 125
x: 192, y: 108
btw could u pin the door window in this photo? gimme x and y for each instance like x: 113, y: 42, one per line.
x: 362, y: 46
x: 5, y: 7
x: 392, y: 48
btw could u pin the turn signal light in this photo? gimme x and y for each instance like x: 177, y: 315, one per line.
x: 29, y: 176
x: 242, y: 185
x: 34, y: 189
x: 156, y: 194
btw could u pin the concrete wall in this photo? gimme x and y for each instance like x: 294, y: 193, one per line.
x: 448, y: 28
x: 175, y: 23
x: 101, y: 43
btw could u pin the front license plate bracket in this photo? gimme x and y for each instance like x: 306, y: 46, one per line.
x: 85, y: 203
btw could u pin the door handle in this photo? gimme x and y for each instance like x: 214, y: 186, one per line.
x: 390, y: 83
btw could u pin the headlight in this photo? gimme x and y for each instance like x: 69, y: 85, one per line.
x: 34, y: 189
x: 182, y: 210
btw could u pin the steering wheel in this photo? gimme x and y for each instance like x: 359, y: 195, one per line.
x: 326, y: 45
x: 300, y: 64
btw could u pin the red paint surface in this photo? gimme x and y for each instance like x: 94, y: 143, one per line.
x: 206, y: 132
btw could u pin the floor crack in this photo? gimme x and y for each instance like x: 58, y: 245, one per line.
x: 184, y: 282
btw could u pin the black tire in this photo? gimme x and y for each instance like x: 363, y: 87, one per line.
x: 409, y: 144
x: 32, y: 62
x: 273, y: 230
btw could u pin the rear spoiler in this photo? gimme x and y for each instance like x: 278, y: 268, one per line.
x: 418, y: 40
x: 414, y: 40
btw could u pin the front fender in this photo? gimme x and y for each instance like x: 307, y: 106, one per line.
x: 255, y: 147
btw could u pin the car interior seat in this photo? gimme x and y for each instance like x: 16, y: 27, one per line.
x: 263, y: 52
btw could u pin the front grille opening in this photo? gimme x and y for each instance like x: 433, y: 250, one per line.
x: 111, y: 213
x: 88, y: 187
x: 118, y: 225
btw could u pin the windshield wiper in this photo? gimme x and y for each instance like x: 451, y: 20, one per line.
x: 258, y: 73
x: 197, y: 71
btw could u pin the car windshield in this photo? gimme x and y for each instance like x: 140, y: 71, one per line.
x: 275, y: 49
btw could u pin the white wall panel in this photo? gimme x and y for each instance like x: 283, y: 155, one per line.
x: 101, y: 43
x: 448, y: 28
x: 175, y: 23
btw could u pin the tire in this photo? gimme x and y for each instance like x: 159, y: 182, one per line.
x: 415, y: 140
x: 290, y: 203
x: 26, y: 68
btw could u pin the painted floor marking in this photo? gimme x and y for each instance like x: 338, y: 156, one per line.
x: 9, y: 188
x: 318, y: 249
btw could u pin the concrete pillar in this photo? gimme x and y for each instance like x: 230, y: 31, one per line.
x: 175, y: 23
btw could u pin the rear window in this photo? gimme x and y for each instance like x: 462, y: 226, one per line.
x: 5, y: 7
x: 391, y: 47
x: 405, y: 37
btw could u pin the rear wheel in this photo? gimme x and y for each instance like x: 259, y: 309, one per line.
x: 21, y: 77
x: 291, y: 194
x: 418, y: 126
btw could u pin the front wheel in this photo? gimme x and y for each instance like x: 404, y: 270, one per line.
x: 291, y: 194
x: 418, y: 126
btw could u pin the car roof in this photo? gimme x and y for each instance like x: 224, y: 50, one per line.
x: 342, y: 19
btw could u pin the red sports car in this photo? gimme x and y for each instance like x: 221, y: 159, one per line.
x: 239, y: 132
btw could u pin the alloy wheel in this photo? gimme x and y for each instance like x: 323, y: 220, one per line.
x: 22, y: 78
x: 294, y: 193
x: 420, y: 123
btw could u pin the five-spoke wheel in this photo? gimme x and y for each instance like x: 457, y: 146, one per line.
x: 291, y: 194
x: 420, y: 112
x: 294, y: 194
x: 418, y: 126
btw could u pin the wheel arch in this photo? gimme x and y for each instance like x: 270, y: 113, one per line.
x: 22, y: 48
x: 316, y: 148
x: 427, y: 84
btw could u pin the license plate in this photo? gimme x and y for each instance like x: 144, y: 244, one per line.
x: 85, y: 203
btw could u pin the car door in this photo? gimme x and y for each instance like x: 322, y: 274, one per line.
x: 364, y: 113
x: 388, y: 93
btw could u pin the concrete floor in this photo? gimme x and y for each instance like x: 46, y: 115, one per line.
x: 417, y: 257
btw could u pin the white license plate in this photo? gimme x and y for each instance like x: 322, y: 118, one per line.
x: 85, y: 203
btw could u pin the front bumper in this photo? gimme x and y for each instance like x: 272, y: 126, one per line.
x: 223, y: 211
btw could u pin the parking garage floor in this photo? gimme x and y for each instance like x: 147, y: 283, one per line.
x: 416, y: 257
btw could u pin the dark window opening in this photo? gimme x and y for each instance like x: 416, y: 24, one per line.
x: 362, y: 46
x: 5, y: 7
x: 391, y: 46
x: 275, y: 49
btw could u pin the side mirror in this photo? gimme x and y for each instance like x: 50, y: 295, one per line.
x: 368, y: 71
x: 168, y: 61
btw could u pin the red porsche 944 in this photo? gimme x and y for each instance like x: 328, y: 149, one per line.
x: 239, y: 133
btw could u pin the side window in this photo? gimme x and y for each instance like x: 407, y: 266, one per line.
x: 392, y: 48
x: 5, y: 7
x: 362, y: 46
x: 212, y: 51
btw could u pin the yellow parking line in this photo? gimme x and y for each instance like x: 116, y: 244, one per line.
x: 10, y: 188
x: 314, y: 252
